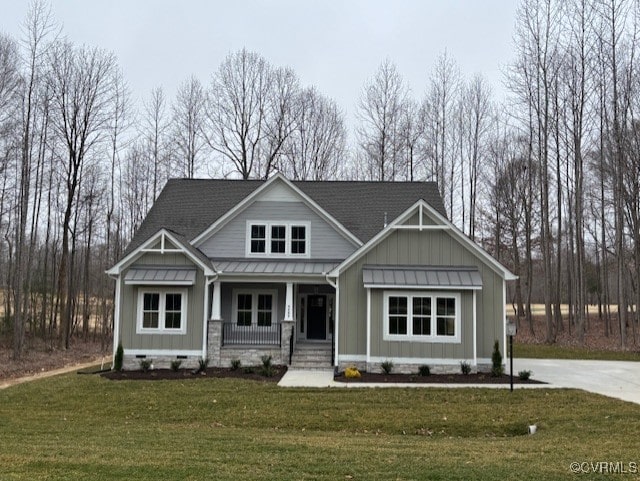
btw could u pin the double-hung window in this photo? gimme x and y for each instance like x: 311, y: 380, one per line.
x: 422, y: 316
x: 254, y: 308
x: 277, y: 239
x: 162, y: 311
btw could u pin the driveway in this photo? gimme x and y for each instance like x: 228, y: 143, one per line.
x: 616, y: 379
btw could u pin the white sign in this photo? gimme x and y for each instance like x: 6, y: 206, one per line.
x: 511, y: 328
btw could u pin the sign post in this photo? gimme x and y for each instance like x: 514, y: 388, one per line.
x: 511, y: 331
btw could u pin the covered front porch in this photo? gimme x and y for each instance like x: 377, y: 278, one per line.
x: 288, y: 317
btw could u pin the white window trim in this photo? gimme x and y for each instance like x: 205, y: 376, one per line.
x: 254, y: 307
x: 456, y: 339
x: 163, y: 296
x: 288, y: 240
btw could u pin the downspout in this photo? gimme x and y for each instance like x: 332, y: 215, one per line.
x: 336, y: 321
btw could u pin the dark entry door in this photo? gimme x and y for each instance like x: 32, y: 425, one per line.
x: 317, y: 317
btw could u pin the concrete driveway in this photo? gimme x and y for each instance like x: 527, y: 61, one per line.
x: 616, y: 379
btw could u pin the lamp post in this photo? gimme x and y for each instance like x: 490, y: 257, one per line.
x: 511, y: 331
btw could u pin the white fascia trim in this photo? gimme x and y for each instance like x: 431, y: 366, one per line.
x: 270, y: 278
x: 118, y: 268
x: 254, y: 195
x: 423, y: 288
x: 162, y: 352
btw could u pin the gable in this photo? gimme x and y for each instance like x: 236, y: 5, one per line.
x: 230, y: 241
x: 275, y: 200
x: 422, y: 236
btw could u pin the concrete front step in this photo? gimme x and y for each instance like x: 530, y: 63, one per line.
x: 310, y: 356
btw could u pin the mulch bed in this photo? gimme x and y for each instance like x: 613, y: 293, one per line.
x: 210, y: 372
x: 479, y: 378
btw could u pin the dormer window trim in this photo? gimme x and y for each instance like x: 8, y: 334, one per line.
x: 278, y: 239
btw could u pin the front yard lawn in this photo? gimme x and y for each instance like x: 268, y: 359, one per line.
x: 556, y: 351
x: 89, y: 428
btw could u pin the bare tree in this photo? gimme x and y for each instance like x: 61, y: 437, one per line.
x: 188, y: 124
x: 316, y: 146
x: 380, y: 113
x: 82, y: 88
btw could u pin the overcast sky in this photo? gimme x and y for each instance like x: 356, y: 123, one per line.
x: 334, y: 45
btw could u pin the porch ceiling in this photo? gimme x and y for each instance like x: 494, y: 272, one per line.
x: 423, y: 277
x: 275, y: 267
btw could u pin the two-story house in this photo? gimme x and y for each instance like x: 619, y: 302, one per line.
x: 320, y: 274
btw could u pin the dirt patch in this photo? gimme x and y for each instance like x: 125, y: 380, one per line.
x: 211, y: 372
x: 40, y: 356
x: 479, y: 378
x: 594, y: 338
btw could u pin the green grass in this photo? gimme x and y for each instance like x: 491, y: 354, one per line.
x: 550, y: 351
x: 87, y: 428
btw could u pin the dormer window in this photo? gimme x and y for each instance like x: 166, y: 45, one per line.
x: 278, y: 239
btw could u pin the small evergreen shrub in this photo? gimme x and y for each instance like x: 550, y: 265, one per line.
x: 203, y: 363
x: 119, y: 357
x: 267, y: 369
x: 387, y: 367
x: 235, y: 364
x: 465, y: 367
x: 497, y: 369
x: 424, y: 370
x: 175, y: 364
x: 524, y: 375
x: 352, y: 373
x: 145, y: 364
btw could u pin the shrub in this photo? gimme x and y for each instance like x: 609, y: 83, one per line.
x: 352, y: 373
x: 465, y: 367
x: 387, y: 367
x: 497, y: 369
x: 146, y: 364
x: 235, y: 364
x: 203, y: 363
x: 267, y: 369
x: 119, y: 357
x: 524, y: 375
x: 424, y: 370
x: 175, y: 364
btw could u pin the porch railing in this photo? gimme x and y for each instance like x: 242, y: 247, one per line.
x: 251, y: 335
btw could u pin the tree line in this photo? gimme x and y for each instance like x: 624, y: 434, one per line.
x: 546, y: 180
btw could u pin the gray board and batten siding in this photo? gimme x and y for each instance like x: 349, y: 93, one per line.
x: 192, y: 339
x: 429, y: 248
x: 230, y: 241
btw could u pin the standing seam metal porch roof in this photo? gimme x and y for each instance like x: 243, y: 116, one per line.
x: 275, y: 267
x: 160, y: 275
x: 432, y: 277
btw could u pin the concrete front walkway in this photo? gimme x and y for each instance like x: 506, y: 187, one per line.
x: 617, y: 379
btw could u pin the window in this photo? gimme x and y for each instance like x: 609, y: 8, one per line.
x: 278, y: 239
x: 397, y: 315
x: 258, y: 238
x: 298, y: 239
x: 162, y: 311
x: 422, y: 316
x: 254, y: 308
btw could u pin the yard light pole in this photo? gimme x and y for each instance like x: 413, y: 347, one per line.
x: 511, y: 331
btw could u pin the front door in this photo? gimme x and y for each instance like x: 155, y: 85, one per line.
x: 316, y: 317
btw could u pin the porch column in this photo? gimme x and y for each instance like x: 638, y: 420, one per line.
x: 288, y: 308
x: 216, y: 301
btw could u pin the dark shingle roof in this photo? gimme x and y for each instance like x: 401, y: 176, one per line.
x: 189, y: 206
